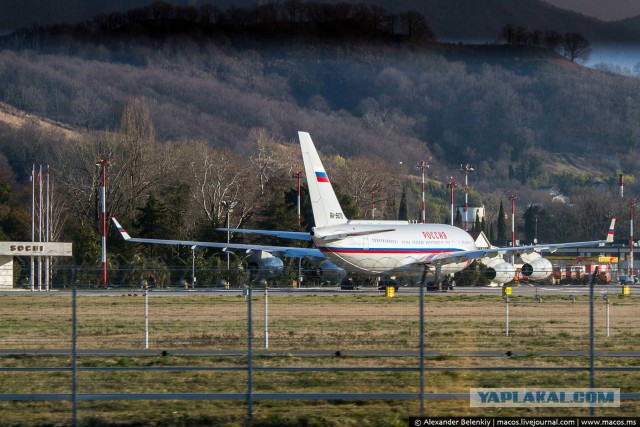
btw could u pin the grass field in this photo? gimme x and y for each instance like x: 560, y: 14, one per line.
x: 454, y: 323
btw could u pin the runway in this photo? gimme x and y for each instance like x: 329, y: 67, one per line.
x: 432, y: 354
x: 526, y: 290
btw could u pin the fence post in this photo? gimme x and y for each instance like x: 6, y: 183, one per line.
x: 146, y: 318
x: 506, y: 300
x: 249, y: 354
x: 422, y: 284
x: 606, y: 299
x: 592, y: 379
x: 74, y: 356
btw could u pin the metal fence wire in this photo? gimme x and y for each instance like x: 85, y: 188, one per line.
x: 317, y: 349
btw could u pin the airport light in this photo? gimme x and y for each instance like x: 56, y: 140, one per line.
x: 466, y: 168
x: 451, y: 185
x: 298, y: 175
x: 513, y: 199
x: 103, y: 163
x: 229, y: 205
x: 423, y: 165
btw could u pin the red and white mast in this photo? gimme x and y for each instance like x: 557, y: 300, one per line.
x: 103, y: 162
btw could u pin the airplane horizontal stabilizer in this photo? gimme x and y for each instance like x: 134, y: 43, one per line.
x: 339, y: 236
x: 294, y: 235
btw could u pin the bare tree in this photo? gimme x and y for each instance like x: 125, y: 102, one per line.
x: 217, y: 176
x: 575, y: 46
x: 271, y: 157
x: 369, y: 181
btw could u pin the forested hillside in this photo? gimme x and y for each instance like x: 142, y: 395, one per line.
x: 193, y: 113
x: 497, y: 105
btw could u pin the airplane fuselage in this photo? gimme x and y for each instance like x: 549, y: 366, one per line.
x: 395, y: 251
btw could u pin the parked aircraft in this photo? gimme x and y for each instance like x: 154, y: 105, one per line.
x: 386, y: 248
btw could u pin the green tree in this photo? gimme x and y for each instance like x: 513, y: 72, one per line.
x: 15, y: 224
x: 403, y: 214
x: 155, y: 221
x: 534, y: 215
x: 501, y: 225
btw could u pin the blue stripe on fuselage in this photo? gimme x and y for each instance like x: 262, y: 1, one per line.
x: 388, y: 250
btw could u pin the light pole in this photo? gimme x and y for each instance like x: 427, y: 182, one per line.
x: 466, y: 168
x: 451, y: 185
x: 513, y: 223
x: 229, y: 205
x: 423, y: 165
x: 103, y: 162
x: 298, y: 175
x: 513, y: 198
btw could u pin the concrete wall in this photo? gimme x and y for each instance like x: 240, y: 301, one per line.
x: 6, y: 272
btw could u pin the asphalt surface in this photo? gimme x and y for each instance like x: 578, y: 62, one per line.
x: 522, y: 290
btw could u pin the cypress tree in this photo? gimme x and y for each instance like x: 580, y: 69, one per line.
x: 402, y: 210
x: 502, y: 225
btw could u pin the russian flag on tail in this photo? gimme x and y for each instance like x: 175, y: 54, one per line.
x: 321, y: 176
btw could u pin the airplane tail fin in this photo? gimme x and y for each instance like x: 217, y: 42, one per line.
x: 611, y: 230
x: 326, y: 208
x: 121, y: 229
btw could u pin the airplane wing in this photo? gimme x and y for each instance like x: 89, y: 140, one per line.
x: 457, y: 257
x: 285, y: 251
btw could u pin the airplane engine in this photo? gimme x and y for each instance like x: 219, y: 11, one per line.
x: 331, y: 273
x: 538, y: 269
x: 265, y: 265
x: 499, y: 271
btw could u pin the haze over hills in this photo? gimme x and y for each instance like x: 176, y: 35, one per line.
x: 610, y: 10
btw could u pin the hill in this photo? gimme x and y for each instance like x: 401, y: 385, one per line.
x: 458, y: 19
x: 511, y: 110
x: 468, y: 19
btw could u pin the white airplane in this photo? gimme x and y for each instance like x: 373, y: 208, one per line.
x: 384, y: 248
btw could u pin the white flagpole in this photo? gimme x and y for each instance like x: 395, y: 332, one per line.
x: 40, y: 228
x: 47, y: 260
x: 33, y: 220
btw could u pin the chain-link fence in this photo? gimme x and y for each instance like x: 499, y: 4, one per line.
x: 286, y: 355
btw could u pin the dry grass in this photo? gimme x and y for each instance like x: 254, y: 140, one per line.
x: 454, y: 323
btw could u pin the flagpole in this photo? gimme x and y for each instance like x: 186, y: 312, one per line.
x: 40, y: 227
x: 47, y: 260
x: 33, y: 221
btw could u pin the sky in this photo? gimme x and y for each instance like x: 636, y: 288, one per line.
x: 607, y: 10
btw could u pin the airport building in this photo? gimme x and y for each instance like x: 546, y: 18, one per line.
x: 9, y: 250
